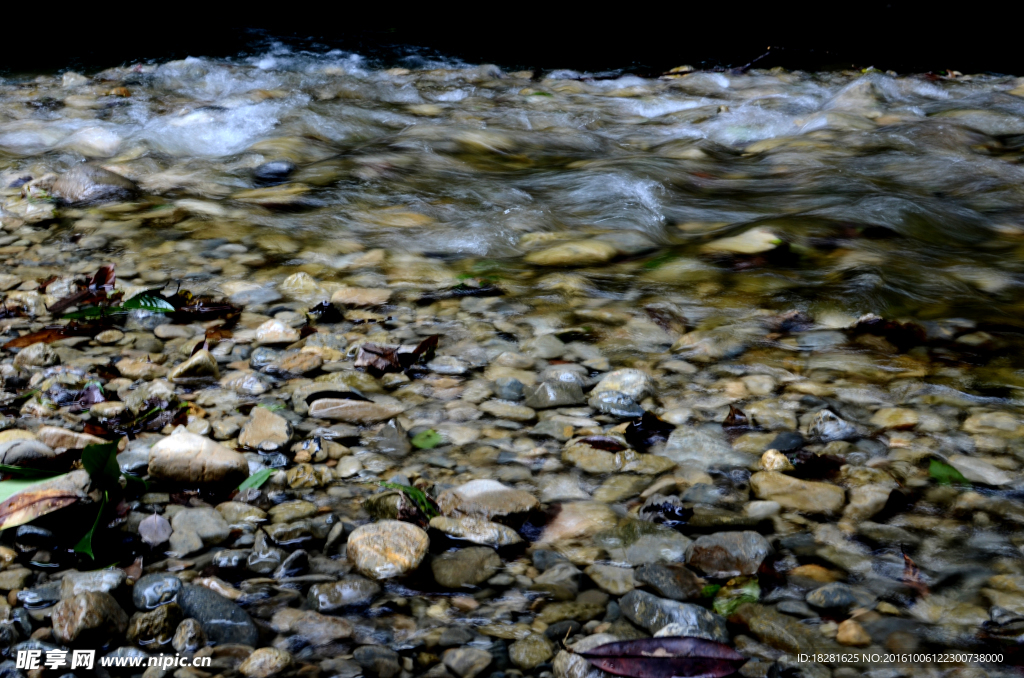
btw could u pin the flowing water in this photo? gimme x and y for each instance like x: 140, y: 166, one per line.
x: 762, y: 246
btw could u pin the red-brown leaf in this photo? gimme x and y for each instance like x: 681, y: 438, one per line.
x: 666, y: 657
x: 378, y: 357
x: 48, y: 335
x: 736, y: 417
x: 912, y: 576
x: 104, y: 279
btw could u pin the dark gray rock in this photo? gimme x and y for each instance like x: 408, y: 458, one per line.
x: 545, y: 558
x: 654, y: 613
x: 377, y: 661
x: 838, y: 595
x: 728, y: 554
x: 455, y: 636
x: 669, y: 581
x: 508, y: 388
x: 273, y: 172
x: 465, y: 567
x: 222, y: 620
x: 616, y: 404
x: 154, y: 590
x: 554, y: 394
x: 787, y: 441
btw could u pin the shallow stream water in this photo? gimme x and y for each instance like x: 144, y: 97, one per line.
x: 755, y: 249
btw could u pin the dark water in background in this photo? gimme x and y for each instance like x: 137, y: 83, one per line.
x: 646, y: 41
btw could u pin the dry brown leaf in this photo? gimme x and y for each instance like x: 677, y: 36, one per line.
x: 26, y: 506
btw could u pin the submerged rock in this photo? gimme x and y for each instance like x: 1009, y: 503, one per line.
x: 222, y: 620
x: 90, y: 184
x: 187, y: 457
x: 388, y: 548
x: 485, y: 499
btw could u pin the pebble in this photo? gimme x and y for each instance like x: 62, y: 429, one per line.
x: 223, y: 621
x: 190, y: 458
x: 653, y: 613
x: 94, y: 613
x: 798, y: 495
x: 467, y: 662
x: 265, y: 662
x: 465, y: 567
x: 352, y: 411
x: 476, y: 530
x: 485, y: 499
x: 581, y: 253
x: 631, y: 383
x: 728, y: 554
x: 348, y: 591
x: 265, y: 431
x: 388, y: 548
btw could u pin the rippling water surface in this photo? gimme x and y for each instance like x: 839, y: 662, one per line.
x: 892, y: 194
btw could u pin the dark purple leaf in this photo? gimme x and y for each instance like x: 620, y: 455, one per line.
x: 666, y: 658
x: 606, y: 443
x: 647, y: 430
x: 341, y: 395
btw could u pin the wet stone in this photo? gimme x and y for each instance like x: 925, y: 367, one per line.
x: 94, y: 614
x: 669, y: 581
x: 265, y: 431
x: 377, y: 661
x: 265, y: 662
x: 465, y: 567
x: 553, y: 394
x: 476, y: 530
x: 840, y: 596
x: 728, y: 554
x: 152, y: 590
x: 189, y: 636
x: 467, y: 662
x: 485, y: 499
x: 158, y: 626
x: 106, y: 581
x: 388, y: 548
x: 528, y: 653
x: 508, y: 388
x: 653, y: 613
x: 222, y: 620
x: 351, y: 590
x: 616, y: 404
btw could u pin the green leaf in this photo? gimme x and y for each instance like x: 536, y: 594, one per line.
x: 9, y: 488
x: 418, y: 496
x: 710, y: 590
x: 84, y: 545
x: 27, y: 472
x: 733, y: 595
x: 148, y: 302
x: 257, y: 479
x: 427, y: 440
x: 946, y: 474
x: 101, y: 463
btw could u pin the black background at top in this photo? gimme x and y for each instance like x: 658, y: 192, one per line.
x: 638, y: 37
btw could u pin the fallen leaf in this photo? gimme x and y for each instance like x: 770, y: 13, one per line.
x: 48, y: 335
x: 912, y: 576
x: 606, y: 443
x: 26, y: 506
x: 666, y: 657
x: 378, y: 357
x: 340, y: 395
x: 736, y: 417
x: 647, y: 430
